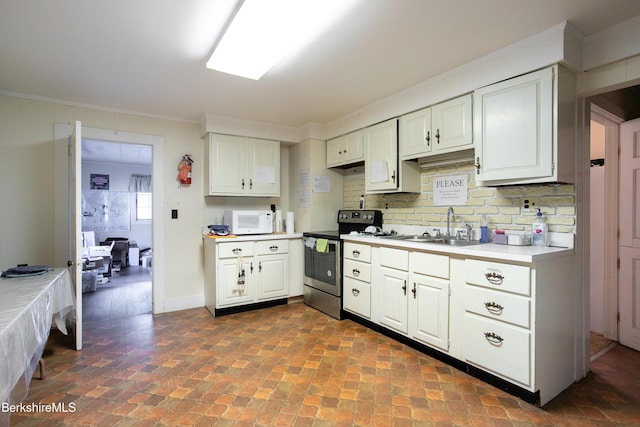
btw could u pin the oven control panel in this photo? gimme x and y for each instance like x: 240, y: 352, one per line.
x: 367, y: 217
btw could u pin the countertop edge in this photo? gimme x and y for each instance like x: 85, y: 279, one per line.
x: 254, y: 237
x: 525, y: 254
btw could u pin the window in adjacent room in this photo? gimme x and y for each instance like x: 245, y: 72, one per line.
x: 143, y: 206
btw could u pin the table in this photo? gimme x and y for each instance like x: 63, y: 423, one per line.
x: 28, y: 308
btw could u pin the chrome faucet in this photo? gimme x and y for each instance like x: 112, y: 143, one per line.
x: 450, y: 217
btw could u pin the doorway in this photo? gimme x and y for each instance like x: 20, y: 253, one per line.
x: 607, y: 113
x: 117, y: 211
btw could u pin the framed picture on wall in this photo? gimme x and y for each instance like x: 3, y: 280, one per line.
x: 99, y: 181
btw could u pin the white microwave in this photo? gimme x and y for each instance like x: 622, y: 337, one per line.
x: 249, y: 222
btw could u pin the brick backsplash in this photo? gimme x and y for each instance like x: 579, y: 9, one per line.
x: 501, y: 204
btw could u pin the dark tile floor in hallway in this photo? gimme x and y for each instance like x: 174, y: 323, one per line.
x: 293, y: 366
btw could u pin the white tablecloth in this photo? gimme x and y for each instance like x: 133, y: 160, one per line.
x: 28, y: 307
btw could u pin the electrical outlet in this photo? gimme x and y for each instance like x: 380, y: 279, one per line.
x: 530, y: 203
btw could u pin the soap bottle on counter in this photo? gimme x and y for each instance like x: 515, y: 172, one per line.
x: 484, y: 230
x: 361, y: 201
x: 540, y: 234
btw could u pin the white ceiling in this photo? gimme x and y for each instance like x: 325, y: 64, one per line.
x: 148, y: 56
x: 114, y: 152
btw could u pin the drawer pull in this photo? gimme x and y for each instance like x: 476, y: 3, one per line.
x: 355, y: 292
x: 236, y: 251
x: 356, y: 253
x: 494, y: 278
x: 273, y: 248
x: 356, y: 272
x: 493, y: 338
x: 493, y: 307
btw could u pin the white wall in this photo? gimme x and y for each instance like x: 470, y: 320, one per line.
x: 34, y: 191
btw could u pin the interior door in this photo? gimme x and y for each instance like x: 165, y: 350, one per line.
x: 75, y: 224
x: 629, y: 243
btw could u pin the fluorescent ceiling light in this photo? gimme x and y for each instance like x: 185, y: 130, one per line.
x: 263, y: 31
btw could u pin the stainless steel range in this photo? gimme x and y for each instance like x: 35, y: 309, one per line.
x: 323, y: 259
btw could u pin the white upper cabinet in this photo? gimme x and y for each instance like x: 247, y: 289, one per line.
x: 384, y: 172
x: 345, y: 150
x: 442, y: 128
x: 524, y: 129
x: 240, y: 166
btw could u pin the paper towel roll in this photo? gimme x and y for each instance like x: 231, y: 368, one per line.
x: 290, y: 224
x: 278, y: 221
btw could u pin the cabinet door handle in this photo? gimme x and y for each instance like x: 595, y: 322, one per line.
x: 355, y: 292
x: 356, y: 253
x: 250, y: 184
x: 494, y: 278
x: 437, y: 136
x: 493, y: 307
x: 273, y: 248
x: 404, y: 287
x: 259, y: 266
x: 393, y: 177
x: 243, y: 183
x: 356, y: 272
x: 413, y: 291
x: 493, y: 338
x: 251, y: 267
x: 428, y: 138
x: 477, y: 165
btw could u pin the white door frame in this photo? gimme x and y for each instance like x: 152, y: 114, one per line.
x: 63, y: 131
x: 612, y: 144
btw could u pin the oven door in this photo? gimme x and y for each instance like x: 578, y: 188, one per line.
x: 322, y: 270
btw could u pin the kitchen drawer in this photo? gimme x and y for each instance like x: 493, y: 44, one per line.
x: 272, y: 247
x: 497, y: 347
x: 394, y: 258
x: 501, y: 306
x: 234, y: 249
x: 430, y: 264
x: 356, y: 297
x: 357, y: 251
x: 494, y: 275
x: 357, y: 270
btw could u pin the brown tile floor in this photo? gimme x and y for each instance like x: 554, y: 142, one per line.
x: 293, y: 366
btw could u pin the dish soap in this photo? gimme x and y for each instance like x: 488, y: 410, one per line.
x: 540, y: 235
x: 484, y: 230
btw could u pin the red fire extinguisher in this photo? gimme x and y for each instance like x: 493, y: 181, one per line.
x: 184, y: 169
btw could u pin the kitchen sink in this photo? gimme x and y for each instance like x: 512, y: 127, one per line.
x: 425, y: 238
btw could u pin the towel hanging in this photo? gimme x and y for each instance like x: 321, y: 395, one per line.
x: 322, y: 246
x: 240, y: 283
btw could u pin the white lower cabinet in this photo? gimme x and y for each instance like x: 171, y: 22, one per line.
x: 273, y: 269
x: 245, y: 272
x: 356, y: 285
x: 513, y: 320
x: 519, y: 323
x: 429, y: 299
x: 413, y: 290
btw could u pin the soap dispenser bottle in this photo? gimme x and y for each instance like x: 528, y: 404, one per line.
x: 540, y: 235
x: 484, y: 230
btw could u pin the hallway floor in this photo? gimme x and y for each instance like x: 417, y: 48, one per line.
x: 294, y: 366
x: 128, y: 293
